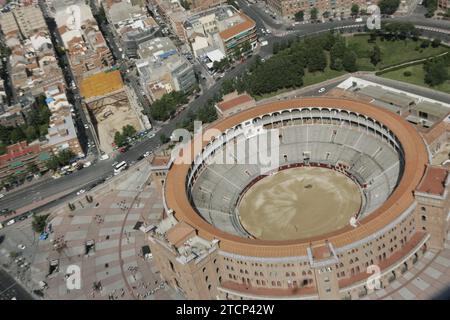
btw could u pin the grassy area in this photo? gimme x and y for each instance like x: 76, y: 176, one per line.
x: 417, y: 77
x: 392, y: 52
x: 316, y: 77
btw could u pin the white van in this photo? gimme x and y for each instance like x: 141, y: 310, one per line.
x: 87, y: 164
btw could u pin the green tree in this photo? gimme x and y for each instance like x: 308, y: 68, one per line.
x: 164, y: 108
x: 119, y: 139
x: 388, y: 6
x: 337, y: 52
x: 349, y: 61
x: 425, y: 43
x: 317, y: 60
x: 276, y: 47
x: 185, y: 4
x: 32, y: 168
x: 436, y: 43
x: 128, y: 130
x: 246, y: 47
x: 355, y: 10
x: 300, y: 15
x: 431, y: 6
x: 39, y: 223
x: 375, y: 55
x: 313, y: 13
x: 163, y: 138
x: 436, y: 72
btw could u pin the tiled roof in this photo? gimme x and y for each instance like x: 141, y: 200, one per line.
x: 247, y: 24
x: 434, y: 181
x: 226, y: 105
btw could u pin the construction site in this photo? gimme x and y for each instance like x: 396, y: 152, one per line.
x: 110, y: 106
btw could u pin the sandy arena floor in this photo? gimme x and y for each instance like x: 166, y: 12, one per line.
x: 299, y: 203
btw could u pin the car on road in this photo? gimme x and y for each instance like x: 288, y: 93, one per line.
x: 86, y: 126
x: 21, y: 246
x: 104, y: 157
x: 87, y: 164
x: 1, y: 195
x: 321, y: 90
x: 81, y: 192
x: 146, y: 154
x: 11, y: 222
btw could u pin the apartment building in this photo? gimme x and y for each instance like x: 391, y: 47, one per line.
x: 33, y: 64
x: 84, y: 43
x: 331, y: 8
x: 162, y: 69
x: 30, y: 20
x: 19, y: 158
x: 62, y: 133
x: 222, y: 28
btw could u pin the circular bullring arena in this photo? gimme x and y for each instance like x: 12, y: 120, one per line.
x: 340, y: 182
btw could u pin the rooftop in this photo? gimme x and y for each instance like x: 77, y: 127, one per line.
x: 240, y: 99
x: 238, y: 28
x: 179, y: 233
x: 434, y: 181
x: 159, y: 161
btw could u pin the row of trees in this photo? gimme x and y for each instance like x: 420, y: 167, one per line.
x: 291, y: 59
x: 121, y: 138
x: 395, y: 31
x: 165, y: 107
x: 60, y: 160
x: 205, y: 114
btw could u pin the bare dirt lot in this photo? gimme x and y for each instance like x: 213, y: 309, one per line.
x: 299, y: 203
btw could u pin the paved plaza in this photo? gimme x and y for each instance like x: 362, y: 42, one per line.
x: 426, y: 280
x: 115, y: 267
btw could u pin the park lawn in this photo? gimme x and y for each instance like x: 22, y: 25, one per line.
x: 417, y: 77
x: 392, y: 52
x: 315, y: 77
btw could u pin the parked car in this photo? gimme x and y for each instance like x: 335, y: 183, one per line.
x: 81, y: 192
x: 321, y: 90
x: 1, y: 195
x: 146, y: 154
x: 21, y: 247
x: 11, y: 222
x: 43, y: 236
